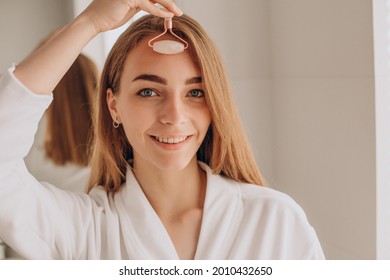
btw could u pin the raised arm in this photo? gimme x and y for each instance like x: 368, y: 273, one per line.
x: 42, y: 70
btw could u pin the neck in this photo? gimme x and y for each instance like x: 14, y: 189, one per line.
x: 172, y: 193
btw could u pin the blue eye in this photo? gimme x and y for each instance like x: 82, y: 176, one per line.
x: 147, y: 92
x: 196, y: 93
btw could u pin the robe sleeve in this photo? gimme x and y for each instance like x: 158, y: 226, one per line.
x: 315, y: 250
x: 37, y: 220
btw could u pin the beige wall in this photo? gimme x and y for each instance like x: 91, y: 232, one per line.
x: 323, y: 90
x: 25, y: 23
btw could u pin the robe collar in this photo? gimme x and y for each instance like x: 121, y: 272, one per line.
x: 145, y: 236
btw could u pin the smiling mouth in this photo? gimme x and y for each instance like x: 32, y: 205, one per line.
x: 175, y: 140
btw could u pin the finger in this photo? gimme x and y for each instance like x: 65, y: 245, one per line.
x: 149, y: 7
x: 170, y: 6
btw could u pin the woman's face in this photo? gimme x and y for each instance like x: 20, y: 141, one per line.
x: 162, y: 108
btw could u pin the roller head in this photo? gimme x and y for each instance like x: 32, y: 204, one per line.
x: 168, y: 47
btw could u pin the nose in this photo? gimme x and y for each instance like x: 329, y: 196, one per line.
x: 173, y: 110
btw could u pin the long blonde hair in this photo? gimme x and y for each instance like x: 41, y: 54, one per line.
x: 225, y: 148
x: 69, y: 117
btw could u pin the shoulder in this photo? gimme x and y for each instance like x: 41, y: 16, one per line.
x: 272, y: 221
x: 268, y: 197
x: 258, y: 203
x: 270, y: 203
x: 251, y: 195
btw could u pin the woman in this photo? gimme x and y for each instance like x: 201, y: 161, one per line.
x: 172, y: 175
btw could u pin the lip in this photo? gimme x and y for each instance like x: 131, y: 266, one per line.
x: 171, y: 146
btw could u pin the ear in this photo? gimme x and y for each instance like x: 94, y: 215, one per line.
x: 111, y: 103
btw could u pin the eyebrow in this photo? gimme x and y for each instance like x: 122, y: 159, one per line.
x: 161, y: 80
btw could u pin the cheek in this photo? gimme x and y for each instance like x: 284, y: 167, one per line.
x: 204, y: 120
x: 135, y: 120
x: 206, y: 114
x: 135, y: 128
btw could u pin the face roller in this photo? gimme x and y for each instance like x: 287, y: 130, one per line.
x: 168, y: 46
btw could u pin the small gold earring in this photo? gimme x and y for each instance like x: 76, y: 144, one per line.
x: 115, y: 122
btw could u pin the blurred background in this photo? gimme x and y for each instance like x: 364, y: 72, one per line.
x: 311, y: 83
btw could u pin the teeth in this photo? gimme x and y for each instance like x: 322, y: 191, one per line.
x: 170, y: 140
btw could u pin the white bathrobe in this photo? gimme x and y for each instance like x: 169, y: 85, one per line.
x: 40, y: 221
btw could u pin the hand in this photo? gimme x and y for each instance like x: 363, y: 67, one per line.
x: 110, y: 14
x: 42, y: 70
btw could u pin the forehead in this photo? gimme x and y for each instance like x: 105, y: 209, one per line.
x: 143, y: 60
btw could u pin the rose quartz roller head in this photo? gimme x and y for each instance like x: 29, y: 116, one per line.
x: 168, y: 46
